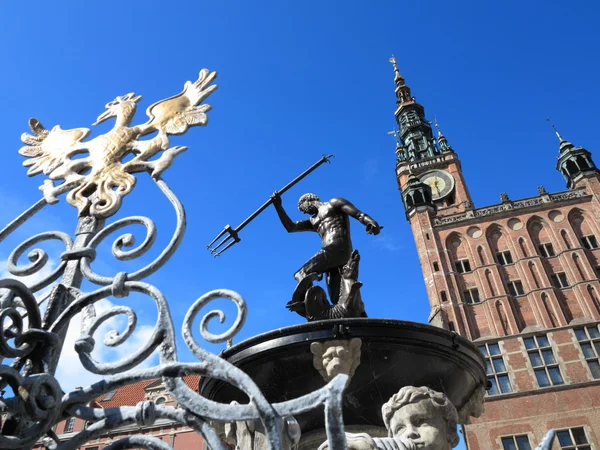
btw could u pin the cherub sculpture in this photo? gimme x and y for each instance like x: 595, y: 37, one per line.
x: 416, y: 418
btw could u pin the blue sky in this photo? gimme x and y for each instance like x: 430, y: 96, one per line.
x: 296, y: 80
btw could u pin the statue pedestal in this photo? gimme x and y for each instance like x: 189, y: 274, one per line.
x: 393, y: 354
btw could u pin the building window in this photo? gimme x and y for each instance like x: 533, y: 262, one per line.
x: 444, y: 296
x: 69, y: 424
x: 589, y: 242
x: 573, y: 439
x: 504, y: 258
x: 589, y: 340
x: 515, y: 287
x: 516, y: 443
x: 559, y: 280
x: 463, y: 265
x: 160, y: 401
x: 496, y: 371
x: 543, y: 362
x: 436, y: 267
x: 109, y: 396
x: 546, y: 250
x: 471, y: 295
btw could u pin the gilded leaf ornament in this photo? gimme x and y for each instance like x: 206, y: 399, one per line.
x: 93, y: 172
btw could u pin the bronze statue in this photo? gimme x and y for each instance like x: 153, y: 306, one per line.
x: 336, y: 259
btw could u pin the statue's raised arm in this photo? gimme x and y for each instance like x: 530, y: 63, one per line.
x: 351, y: 210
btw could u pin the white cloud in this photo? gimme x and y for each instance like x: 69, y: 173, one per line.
x: 70, y: 372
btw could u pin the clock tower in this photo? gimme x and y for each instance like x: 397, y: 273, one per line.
x: 431, y: 181
x: 519, y: 278
x: 431, y: 160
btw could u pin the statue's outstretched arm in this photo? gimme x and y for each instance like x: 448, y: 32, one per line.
x: 289, y: 224
x: 348, y: 208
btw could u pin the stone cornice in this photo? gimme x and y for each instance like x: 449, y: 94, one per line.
x: 480, y: 213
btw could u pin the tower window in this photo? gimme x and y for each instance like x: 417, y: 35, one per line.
x: 496, y: 371
x: 436, y: 267
x: 573, y: 439
x: 543, y: 362
x: 444, y: 296
x: 546, y: 250
x: 589, y: 341
x: 471, y: 295
x: 559, y: 280
x: 515, y: 287
x: 589, y: 242
x: 504, y: 257
x: 463, y: 265
x: 516, y: 443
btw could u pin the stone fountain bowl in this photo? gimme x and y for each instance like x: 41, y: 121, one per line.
x: 394, y: 354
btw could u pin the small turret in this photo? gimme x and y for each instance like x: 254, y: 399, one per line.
x: 573, y: 161
x: 416, y: 195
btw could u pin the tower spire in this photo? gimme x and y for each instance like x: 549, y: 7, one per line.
x: 416, y: 135
x: 402, y: 90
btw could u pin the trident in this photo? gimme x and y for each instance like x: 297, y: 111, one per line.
x: 233, y: 233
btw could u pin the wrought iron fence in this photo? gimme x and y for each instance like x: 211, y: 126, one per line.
x: 31, y: 338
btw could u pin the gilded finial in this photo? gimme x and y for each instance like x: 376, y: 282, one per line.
x: 555, y: 130
x: 398, y: 79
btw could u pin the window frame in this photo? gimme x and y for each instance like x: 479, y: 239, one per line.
x: 69, y: 425
x: 492, y: 375
x: 516, y: 444
x: 469, y: 298
x: 546, y: 249
x: 589, y: 242
x: 594, y: 345
x: 502, y: 258
x: 512, y: 288
x: 574, y: 446
x: 545, y: 368
x: 559, y: 280
x: 461, y: 267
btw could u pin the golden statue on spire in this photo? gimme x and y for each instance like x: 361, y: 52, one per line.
x: 97, y: 182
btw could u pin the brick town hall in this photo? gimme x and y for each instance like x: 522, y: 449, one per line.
x: 520, y: 279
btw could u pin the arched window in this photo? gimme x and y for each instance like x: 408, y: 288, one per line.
x: 549, y: 310
x: 583, y: 229
x: 490, y: 281
x: 502, y: 316
x: 481, y: 255
x: 534, y: 274
x: 160, y: 401
x: 577, y: 263
x: 523, y: 247
x: 566, y: 239
x: 541, y: 238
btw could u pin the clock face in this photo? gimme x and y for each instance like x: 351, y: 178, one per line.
x: 440, y: 181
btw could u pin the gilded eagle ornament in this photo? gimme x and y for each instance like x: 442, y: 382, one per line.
x: 93, y: 172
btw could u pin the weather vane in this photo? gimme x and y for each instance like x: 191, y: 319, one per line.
x: 97, y: 182
x: 396, y: 135
x: 554, y: 127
